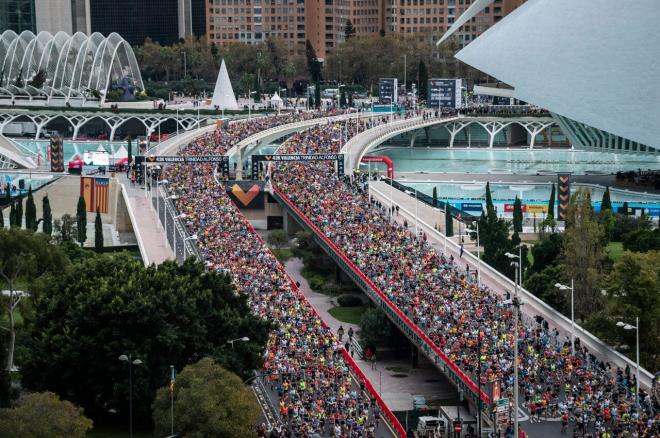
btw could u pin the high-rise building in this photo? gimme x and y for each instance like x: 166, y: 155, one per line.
x: 68, y: 16
x: 17, y: 15
x: 324, y: 22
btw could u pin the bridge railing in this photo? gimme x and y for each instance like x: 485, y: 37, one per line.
x: 389, y: 415
x: 462, y: 380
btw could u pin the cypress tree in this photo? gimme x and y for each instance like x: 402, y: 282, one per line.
x: 422, y: 80
x: 18, y: 219
x: 30, y: 212
x: 81, y: 221
x: 98, y: 232
x: 47, y: 216
x: 2, y: 219
x: 517, y: 215
x: 490, y: 207
x: 12, y: 216
x: 606, y: 203
x: 449, y: 224
x: 342, y: 98
x: 435, y: 196
x: 551, y: 203
x: 625, y: 208
x: 317, y: 95
x: 129, y: 146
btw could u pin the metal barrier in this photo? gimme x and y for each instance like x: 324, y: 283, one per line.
x: 479, y: 397
x: 180, y: 241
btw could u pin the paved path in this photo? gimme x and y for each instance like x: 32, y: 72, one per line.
x: 397, y: 392
x: 148, y: 230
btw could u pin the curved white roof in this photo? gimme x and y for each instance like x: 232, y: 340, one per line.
x: 74, y: 65
x: 591, y: 61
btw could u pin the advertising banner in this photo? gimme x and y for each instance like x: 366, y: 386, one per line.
x: 537, y: 208
x: 388, y: 90
x: 471, y: 206
x: 247, y: 195
x: 564, y: 194
x: 444, y: 93
x: 258, y: 159
x: 56, y: 155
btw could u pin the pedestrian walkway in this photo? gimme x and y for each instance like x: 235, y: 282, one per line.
x: 148, y: 230
x: 396, y: 380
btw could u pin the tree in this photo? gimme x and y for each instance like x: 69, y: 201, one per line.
x: 208, y: 401
x: 349, y: 30
x: 624, y: 224
x: 375, y: 328
x: 642, y: 240
x: 43, y: 414
x: 129, y: 147
x: 606, y: 203
x: 47, y: 216
x: 65, y: 228
x: 422, y: 80
x: 517, y: 215
x: 449, y: 223
x: 98, y: 232
x: 435, y: 196
x: 30, y: 212
x: 342, y: 97
x: 18, y: 218
x: 546, y: 252
x: 256, y: 86
x: 5, y: 380
x: 23, y: 256
x: 542, y: 284
x: 606, y: 219
x: 38, y: 80
x: 110, y: 304
x: 624, y: 209
x: 634, y: 286
x: 2, y: 219
x: 12, y: 216
x: 313, y: 64
x: 583, y: 253
x: 317, y: 94
x: 490, y: 207
x: 551, y: 203
x: 278, y: 238
x: 289, y: 74
x: 81, y: 221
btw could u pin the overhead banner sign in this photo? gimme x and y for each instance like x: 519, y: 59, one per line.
x: 247, y: 195
x: 258, y: 159
x: 564, y: 194
x: 388, y: 90
x: 444, y: 93
x: 222, y: 160
x: 56, y: 155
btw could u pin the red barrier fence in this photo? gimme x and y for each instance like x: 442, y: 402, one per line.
x: 464, y: 377
x: 396, y: 424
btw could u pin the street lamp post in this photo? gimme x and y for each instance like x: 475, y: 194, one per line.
x: 636, y: 328
x: 571, y: 288
x: 130, y: 362
x: 243, y: 339
x: 516, y: 305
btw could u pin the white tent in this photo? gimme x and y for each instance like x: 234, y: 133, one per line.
x: 276, y: 101
x: 223, y: 94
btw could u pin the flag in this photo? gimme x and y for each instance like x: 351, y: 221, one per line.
x: 170, y: 385
x: 87, y: 191
x: 102, y: 190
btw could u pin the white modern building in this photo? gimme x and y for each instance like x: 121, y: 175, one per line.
x: 593, y: 64
x: 64, y: 69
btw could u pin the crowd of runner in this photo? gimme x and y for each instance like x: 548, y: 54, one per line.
x: 316, y: 393
x: 469, y: 324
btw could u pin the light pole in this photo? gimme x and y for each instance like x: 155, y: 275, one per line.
x: 516, y: 305
x: 636, y: 328
x: 571, y: 288
x: 130, y: 362
x: 243, y: 339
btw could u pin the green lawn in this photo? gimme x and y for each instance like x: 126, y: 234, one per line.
x: 351, y: 315
x: 614, y: 251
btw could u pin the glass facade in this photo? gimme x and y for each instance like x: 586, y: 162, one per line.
x: 17, y: 15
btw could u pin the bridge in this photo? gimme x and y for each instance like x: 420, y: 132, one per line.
x: 78, y: 118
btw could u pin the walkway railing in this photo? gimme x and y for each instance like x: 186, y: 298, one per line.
x: 479, y: 397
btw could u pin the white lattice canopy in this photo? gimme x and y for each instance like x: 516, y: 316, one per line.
x: 73, y: 66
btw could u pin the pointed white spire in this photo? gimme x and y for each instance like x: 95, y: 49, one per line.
x: 223, y: 94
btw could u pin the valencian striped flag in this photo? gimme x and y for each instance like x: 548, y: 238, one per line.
x: 101, y: 195
x: 170, y: 383
x: 87, y: 192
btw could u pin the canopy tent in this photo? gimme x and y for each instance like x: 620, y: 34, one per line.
x: 276, y: 100
x: 223, y: 94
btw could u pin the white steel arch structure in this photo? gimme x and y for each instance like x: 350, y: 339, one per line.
x: 75, y: 66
